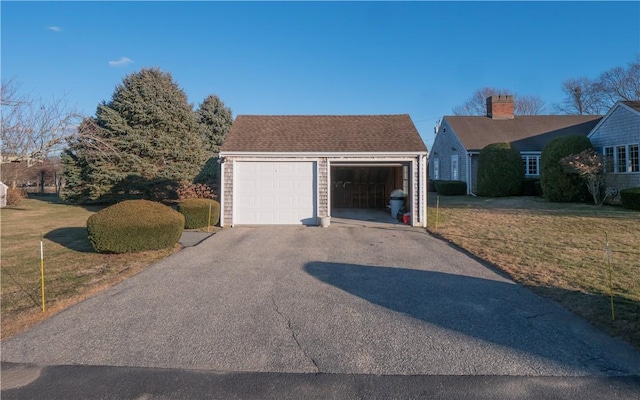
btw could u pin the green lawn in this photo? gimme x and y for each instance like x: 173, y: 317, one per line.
x: 556, y: 249
x: 73, y: 270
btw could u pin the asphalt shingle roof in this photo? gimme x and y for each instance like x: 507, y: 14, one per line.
x: 633, y: 104
x: 526, y: 133
x: 323, y: 133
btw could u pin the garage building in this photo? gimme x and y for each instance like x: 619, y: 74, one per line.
x: 293, y: 169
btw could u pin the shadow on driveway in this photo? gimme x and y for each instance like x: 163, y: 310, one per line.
x: 498, y: 312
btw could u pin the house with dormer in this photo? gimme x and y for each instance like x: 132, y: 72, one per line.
x: 459, y: 139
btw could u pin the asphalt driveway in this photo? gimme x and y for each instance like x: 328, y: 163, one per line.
x: 376, y: 300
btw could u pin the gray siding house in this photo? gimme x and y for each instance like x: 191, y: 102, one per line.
x: 459, y: 139
x: 296, y: 169
x: 617, y: 138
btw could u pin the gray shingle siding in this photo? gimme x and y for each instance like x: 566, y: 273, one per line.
x: 227, y: 183
x: 323, y: 187
x: 621, y: 127
x: 446, y: 140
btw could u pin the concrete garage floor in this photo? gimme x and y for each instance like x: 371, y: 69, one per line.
x: 364, y: 217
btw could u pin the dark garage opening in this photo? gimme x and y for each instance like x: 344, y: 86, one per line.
x: 367, y: 187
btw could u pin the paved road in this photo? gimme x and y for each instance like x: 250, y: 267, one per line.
x: 385, y: 301
x: 88, y: 382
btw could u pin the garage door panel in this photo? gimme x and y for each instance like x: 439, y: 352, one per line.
x: 275, y: 193
x: 286, y: 186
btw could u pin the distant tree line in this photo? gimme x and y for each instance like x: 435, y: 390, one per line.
x: 582, y: 96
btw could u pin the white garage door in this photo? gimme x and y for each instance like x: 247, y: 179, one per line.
x: 275, y: 193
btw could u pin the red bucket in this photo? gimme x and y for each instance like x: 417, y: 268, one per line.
x: 406, y: 218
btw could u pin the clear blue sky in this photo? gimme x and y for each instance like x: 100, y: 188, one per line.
x: 420, y: 58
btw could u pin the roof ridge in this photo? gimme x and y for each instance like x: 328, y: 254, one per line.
x: 530, y: 116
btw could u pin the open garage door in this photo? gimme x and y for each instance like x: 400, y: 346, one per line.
x: 275, y: 193
x: 362, y: 186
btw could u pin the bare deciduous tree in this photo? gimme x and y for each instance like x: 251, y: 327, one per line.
x: 529, y: 105
x: 621, y: 84
x: 31, y: 127
x: 585, y: 96
x: 477, y: 103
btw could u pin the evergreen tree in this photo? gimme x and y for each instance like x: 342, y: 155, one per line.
x: 215, y: 120
x: 141, y: 144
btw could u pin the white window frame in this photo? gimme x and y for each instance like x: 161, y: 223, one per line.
x: 455, y: 167
x: 526, y: 158
x: 436, y: 168
x: 633, y: 164
x: 609, y: 161
x: 616, y: 164
x: 621, y: 164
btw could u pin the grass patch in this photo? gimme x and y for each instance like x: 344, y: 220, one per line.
x: 73, y: 271
x: 556, y: 249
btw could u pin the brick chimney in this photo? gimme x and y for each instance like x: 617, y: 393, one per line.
x: 500, y: 107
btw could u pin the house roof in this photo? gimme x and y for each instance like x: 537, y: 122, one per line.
x: 323, y: 133
x: 632, y: 104
x: 526, y: 133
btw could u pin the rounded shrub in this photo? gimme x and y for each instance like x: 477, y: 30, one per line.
x: 500, y: 171
x: 630, y: 198
x: 134, y: 225
x: 196, y: 212
x: 451, y: 188
x: 558, y: 185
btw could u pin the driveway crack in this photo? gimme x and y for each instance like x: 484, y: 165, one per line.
x: 539, y: 315
x: 293, y: 335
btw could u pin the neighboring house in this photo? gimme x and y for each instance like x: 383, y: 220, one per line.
x: 617, y: 137
x: 295, y: 169
x: 459, y: 139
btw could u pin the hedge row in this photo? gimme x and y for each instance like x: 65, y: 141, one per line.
x: 531, y: 187
x: 451, y: 188
x: 630, y: 198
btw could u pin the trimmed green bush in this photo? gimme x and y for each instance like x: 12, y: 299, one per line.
x: 500, y: 171
x: 451, y: 188
x: 630, y: 198
x: 134, y: 225
x: 196, y: 212
x: 558, y: 185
